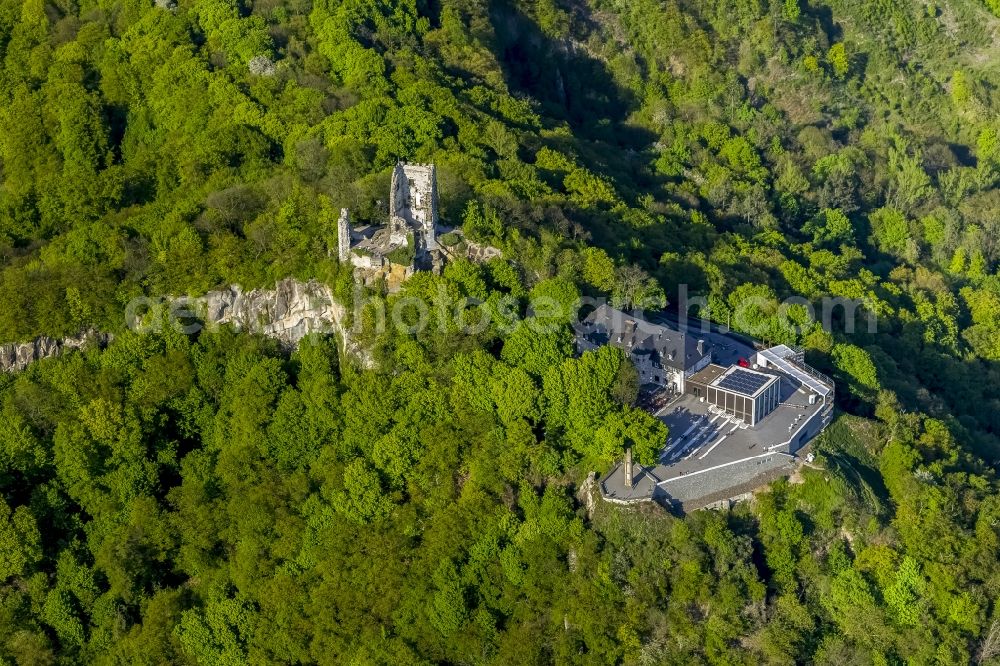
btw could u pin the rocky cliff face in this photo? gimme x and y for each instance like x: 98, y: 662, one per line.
x: 288, y: 313
x: 17, y: 356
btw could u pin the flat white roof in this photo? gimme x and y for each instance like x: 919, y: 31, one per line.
x: 780, y: 358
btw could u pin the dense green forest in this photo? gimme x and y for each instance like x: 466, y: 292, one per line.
x: 210, y: 499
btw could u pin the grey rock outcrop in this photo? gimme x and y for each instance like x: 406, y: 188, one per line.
x: 288, y: 313
x: 586, y: 493
x: 262, y: 66
x: 18, y: 356
x: 481, y: 253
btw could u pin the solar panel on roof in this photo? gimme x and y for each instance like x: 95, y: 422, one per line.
x: 743, y: 382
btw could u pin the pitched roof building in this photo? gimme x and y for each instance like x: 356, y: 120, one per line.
x: 663, y: 355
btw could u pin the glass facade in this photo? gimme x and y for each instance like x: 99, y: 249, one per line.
x: 750, y: 410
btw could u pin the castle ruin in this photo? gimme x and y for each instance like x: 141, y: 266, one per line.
x: 413, y: 202
x: 412, y: 239
x: 408, y: 242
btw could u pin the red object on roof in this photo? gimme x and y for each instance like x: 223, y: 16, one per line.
x: 743, y: 363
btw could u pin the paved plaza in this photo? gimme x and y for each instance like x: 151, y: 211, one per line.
x: 708, y: 451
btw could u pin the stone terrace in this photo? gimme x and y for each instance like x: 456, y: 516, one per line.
x: 708, y: 452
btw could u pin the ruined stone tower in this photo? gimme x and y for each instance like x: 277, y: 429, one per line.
x: 408, y: 242
x: 343, y: 236
x: 413, y: 201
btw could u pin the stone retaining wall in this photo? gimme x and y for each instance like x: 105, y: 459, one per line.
x: 697, y: 490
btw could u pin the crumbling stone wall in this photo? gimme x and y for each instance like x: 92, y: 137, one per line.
x: 413, y: 198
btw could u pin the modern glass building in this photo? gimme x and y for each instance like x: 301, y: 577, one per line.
x: 747, y: 394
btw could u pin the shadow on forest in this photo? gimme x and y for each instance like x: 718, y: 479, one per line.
x: 568, y: 83
x: 824, y: 15
x: 866, y: 480
x: 573, y: 87
x: 958, y: 391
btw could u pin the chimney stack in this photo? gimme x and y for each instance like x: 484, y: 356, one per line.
x: 628, y: 467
